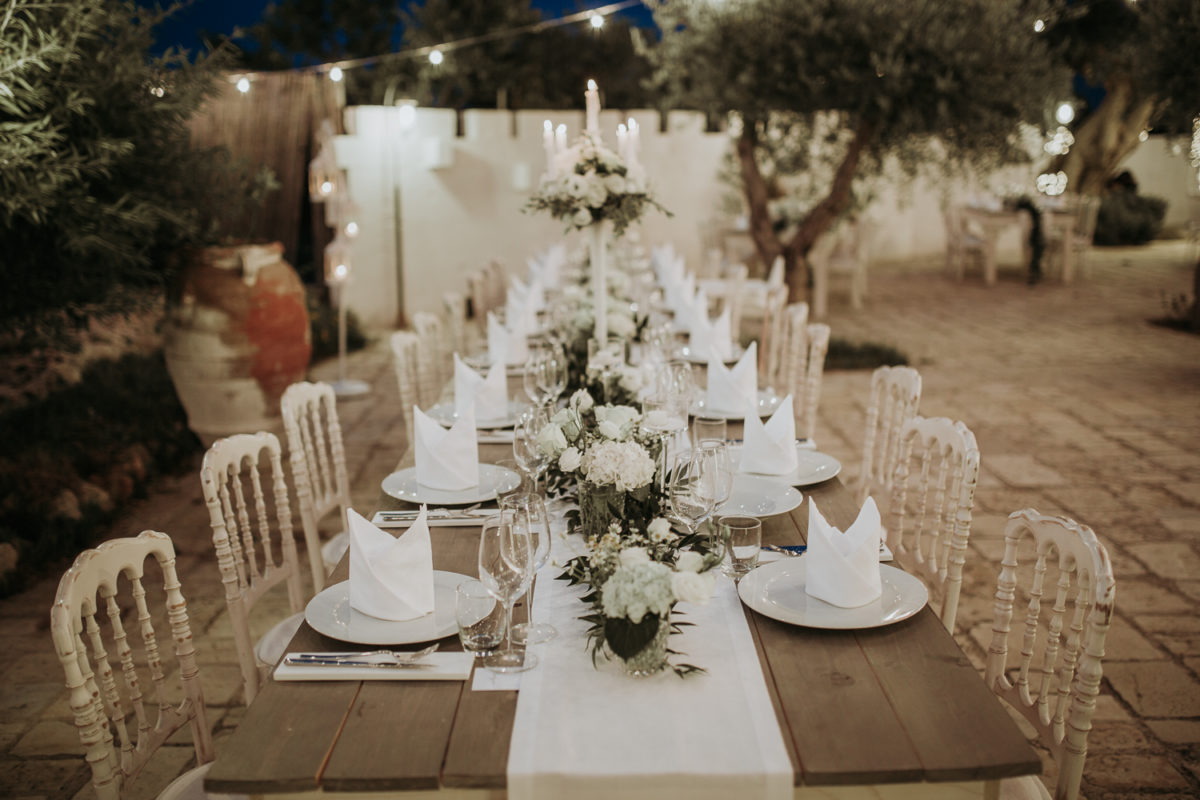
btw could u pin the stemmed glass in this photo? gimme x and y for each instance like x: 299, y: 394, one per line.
x: 506, y: 559
x: 552, y: 372
x: 530, y: 508
x: 718, y: 470
x: 691, y: 491
x: 531, y: 458
x: 531, y: 379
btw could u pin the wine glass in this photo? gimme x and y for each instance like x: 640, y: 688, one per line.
x: 531, y: 379
x: 718, y: 470
x: 531, y: 458
x: 552, y: 375
x: 530, y: 508
x: 690, y: 492
x: 506, y: 558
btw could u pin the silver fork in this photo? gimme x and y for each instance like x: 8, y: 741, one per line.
x: 378, y: 656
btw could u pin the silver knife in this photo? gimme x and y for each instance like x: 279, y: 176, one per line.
x: 440, y: 513
x: 292, y: 661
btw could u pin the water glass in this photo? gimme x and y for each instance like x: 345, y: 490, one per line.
x: 690, y: 492
x: 743, y: 540
x: 708, y: 429
x: 480, y: 618
x: 529, y: 507
x: 506, y: 558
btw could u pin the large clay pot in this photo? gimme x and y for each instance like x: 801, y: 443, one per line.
x: 236, y: 337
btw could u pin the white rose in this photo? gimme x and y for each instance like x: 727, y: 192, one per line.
x: 582, y: 218
x: 596, y: 193
x: 691, y: 587
x: 551, y: 441
x: 621, y: 415
x: 634, y: 555
x: 615, y: 184
x: 689, y: 561
x: 659, y: 530
x: 631, y: 380
x: 570, y: 459
x: 609, y: 430
x: 619, y: 324
x: 582, y: 401
x: 576, y: 186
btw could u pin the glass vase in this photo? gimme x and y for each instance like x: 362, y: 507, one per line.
x: 652, y: 658
x: 599, y: 507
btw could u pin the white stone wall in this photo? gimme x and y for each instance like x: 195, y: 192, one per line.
x: 436, y: 206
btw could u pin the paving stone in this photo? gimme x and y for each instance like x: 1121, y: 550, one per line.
x: 49, y: 738
x: 1189, y: 491
x: 1124, y: 643
x: 1168, y: 560
x: 1155, y: 688
x: 1116, y: 737
x: 1175, y: 731
x: 1123, y: 773
x: 1179, y: 633
x: 1135, y: 596
x: 1182, y: 521
x: 27, y: 700
x: 1023, y: 471
x: 1109, y: 708
x: 48, y: 777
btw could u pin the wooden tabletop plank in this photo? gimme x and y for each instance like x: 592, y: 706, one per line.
x: 477, y: 754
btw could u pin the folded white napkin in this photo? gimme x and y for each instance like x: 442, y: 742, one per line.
x: 710, y: 339
x: 843, y: 568
x: 506, y: 344
x: 734, y: 391
x: 770, y: 449
x: 447, y: 460
x: 391, y: 577
x: 527, y: 294
x: 488, y: 396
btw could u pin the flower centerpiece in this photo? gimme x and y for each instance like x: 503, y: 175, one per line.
x: 589, y: 183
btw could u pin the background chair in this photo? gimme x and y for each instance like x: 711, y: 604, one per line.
x: 843, y: 251
x: 773, y: 335
x: 1057, y: 691
x: 895, y: 395
x: 1069, y: 233
x: 477, y: 291
x: 405, y: 345
x: 433, y: 362
x: 933, y: 494
x: 86, y: 595
x: 963, y: 241
x: 246, y: 551
x: 803, y: 367
x: 454, y: 313
x: 318, y: 459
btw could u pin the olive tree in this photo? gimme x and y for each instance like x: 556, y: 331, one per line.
x: 914, y: 82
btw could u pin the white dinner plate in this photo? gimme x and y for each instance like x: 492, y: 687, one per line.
x: 755, y: 496
x: 812, y: 466
x: 445, y: 415
x: 481, y: 363
x: 493, y: 481
x: 687, y: 355
x: 330, y: 614
x: 768, y: 402
x: 776, y: 590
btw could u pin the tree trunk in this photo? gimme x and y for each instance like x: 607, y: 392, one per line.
x: 754, y: 186
x: 1196, y: 298
x: 1105, y: 138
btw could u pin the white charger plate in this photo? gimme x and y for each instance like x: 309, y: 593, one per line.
x: 754, y: 496
x: 446, y: 416
x: 776, y: 590
x: 686, y: 354
x: 480, y: 363
x: 494, y: 480
x: 812, y: 466
x: 768, y: 403
x: 330, y: 614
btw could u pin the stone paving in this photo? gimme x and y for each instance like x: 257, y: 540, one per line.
x: 1080, y: 407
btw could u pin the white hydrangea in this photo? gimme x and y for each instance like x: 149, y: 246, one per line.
x: 692, y: 587
x: 659, y: 531
x: 689, y: 561
x: 625, y: 465
x: 596, y: 193
x: 634, y: 555
x: 570, y: 459
x: 582, y: 218
x: 636, y: 590
x: 614, y: 183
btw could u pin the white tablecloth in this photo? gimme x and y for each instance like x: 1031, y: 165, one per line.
x: 584, y: 733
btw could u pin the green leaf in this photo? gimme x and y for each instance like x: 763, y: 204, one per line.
x: 627, y: 638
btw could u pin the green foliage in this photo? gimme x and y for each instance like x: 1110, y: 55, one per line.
x: 113, y: 431
x: 1128, y: 218
x: 844, y: 354
x: 97, y: 180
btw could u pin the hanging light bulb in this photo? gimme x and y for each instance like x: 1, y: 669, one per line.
x: 348, y: 215
x: 322, y: 177
x: 597, y: 21
x: 243, y: 84
x: 1039, y: 26
x: 335, y: 74
x: 337, y: 261
x: 1064, y: 113
x: 436, y: 57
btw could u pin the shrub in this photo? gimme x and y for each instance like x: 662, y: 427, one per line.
x: 1126, y: 218
x: 845, y: 354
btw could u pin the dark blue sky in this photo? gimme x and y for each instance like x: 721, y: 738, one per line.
x: 223, y: 16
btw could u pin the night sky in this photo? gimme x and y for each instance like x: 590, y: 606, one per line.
x: 222, y: 16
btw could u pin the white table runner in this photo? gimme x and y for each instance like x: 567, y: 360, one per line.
x: 584, y: 733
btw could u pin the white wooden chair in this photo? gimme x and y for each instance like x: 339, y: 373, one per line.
x: 405, y: 345
x: 843, y: 251
x: 252, y: 558
x: 933, y: 494
x: 803, y: 367
x: 1057, y: 691
x: 454, y: 312
x: 497, y: 284
x: 433, y: 362
x: 773, y: 337
x: 477, y: 291
x: 318, y: 459
x: 963, y: 241
x: 895, y: 395
x: 119, y: 733
x: 1069, y: 234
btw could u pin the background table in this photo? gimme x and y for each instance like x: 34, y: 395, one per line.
x: 893, y: 705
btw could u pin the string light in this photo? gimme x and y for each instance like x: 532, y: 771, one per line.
x: 1144, y: 136
x: 436, y: 53
x: 1039, y: 26
x: 1064, y: 113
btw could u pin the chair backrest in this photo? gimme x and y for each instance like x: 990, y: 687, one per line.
x: 933, y: 494
x: 773, y: 338
x: 103, y: 710
x: 433, y: 362
x: 318, y: 459
x: 803, y: 366
x: 477, y: 291
x: 895, y: 395
x: 454, y: 311
x: 1085, y: 220
x: 734, y: 285
x: 405, y: 345
x: 253, y: 536
x: 1070, y: 639
x: 497, y: 284
x: 776, y: 277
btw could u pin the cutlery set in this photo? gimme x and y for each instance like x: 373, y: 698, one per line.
x: 383, y: 659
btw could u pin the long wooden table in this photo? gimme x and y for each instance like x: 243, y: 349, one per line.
x: 899, y: 704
